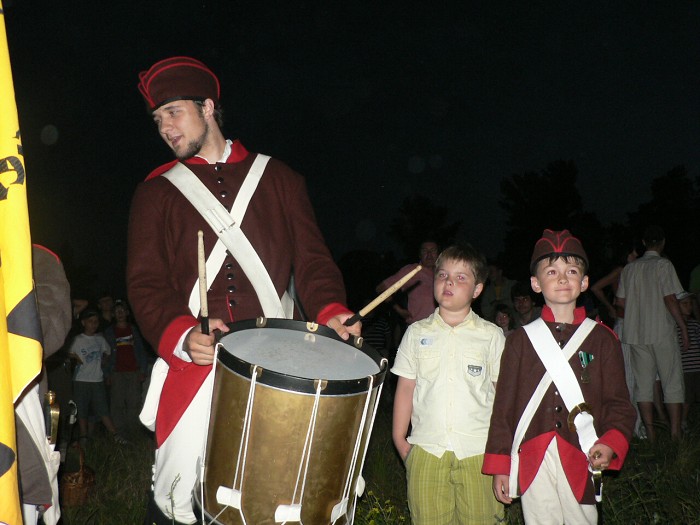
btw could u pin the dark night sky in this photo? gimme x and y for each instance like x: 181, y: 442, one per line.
x: 372, y: 103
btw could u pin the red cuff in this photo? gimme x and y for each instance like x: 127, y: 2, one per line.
x: 172, y: 334
x: 616, y: 441
x: 496, y: 464
x: 330, y: 311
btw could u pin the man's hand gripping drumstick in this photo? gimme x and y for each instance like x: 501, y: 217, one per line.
x: 199, y: 342
x: 382, y: 297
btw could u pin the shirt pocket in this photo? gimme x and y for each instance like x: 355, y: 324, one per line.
x: 473, y: 369
x: 428, y: 364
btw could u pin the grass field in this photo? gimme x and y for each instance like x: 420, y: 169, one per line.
x: 659, y: 484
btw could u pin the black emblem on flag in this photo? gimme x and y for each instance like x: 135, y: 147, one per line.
x: 7, y: 165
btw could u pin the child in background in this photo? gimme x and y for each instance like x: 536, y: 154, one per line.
x: 126, y: 369
x: 691, y: 357
x: 544, y: 429
x: 88, y: 350
x: 504, y: 319
x: 448, y: 365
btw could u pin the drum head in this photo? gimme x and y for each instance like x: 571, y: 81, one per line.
x: 299, y: 353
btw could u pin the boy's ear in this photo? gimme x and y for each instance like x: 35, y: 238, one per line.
x: 584, y: 283
x: 477, y: 290
x: 535, y: 284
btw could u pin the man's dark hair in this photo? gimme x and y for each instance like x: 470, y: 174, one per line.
x: 218, y: 111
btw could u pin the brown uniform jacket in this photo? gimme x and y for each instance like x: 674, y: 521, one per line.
x: 606, y: 392
x: 162, y: 257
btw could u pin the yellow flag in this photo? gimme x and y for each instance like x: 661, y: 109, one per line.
x: 20, y: 330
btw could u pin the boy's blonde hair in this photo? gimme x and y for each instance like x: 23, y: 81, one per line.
x: 467, y: 254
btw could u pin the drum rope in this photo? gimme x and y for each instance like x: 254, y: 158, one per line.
x: 243, y: 448
x: 356, y: 449
x: 369, y: 433
x: 206, y: 441
x: 306, y: 452
x: 246, y: 432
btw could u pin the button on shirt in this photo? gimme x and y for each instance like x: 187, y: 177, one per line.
x: 454, y: 369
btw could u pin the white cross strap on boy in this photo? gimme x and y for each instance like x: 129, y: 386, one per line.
x: 556, y: 362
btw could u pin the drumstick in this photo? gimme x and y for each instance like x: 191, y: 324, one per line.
x: 382, y: 296
x: 202, y: 267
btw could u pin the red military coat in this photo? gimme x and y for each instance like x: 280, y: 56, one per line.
x: 162, y: 261
x: 606, y: 392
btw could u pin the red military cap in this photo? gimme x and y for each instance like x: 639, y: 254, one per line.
x: 556, y: 243
x: 178, y: 78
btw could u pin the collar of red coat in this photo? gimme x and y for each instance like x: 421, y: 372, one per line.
x: 548, y: 315
x: 238, y: 153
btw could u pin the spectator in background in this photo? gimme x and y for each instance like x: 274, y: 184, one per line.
x: 647, y: 292
x: 524, y: 304
x: 497, y: 291
x: 126, y: 370
x: 504, y: 319
x: 88, y: 349
x: 694, y: 286
x: 105, y: 304
x: 419, y: 288
x: 691, y: 358
x: 612, y: 312
x: 615, y: 316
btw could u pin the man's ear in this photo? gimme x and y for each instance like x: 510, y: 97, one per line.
x: 535, y: 284
x: 208, y: 108
x: 477, y: 290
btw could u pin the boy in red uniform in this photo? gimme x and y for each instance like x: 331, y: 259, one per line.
x: 562, y: 411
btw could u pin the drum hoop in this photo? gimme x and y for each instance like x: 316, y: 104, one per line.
x: 272, y: 378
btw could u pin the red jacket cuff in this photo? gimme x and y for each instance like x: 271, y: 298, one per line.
x: 496, y: 464
x: 330, y: 311
x: 616, y: 441
x: 172, y: 334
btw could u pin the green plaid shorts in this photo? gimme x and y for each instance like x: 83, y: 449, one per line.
x: 449, y: 491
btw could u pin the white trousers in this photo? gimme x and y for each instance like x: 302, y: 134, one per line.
x: 30, y: 514
x: 175, y: 469
x: 30, y: 411
x: 549, y: 499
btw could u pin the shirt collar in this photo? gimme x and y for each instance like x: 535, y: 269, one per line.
x: 234, y: 151
x: 548, y: 315
x: 469, y: 319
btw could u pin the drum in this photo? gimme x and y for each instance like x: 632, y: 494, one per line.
x: 291, y: 415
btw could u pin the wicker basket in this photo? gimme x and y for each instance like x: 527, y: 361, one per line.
x: 76, y: 487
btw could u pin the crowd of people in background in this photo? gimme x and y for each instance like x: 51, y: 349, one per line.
x: 101, y: 372
x: 125, y: 359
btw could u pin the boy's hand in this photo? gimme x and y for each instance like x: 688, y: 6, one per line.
x: 403, y: 447
x: 600, y: 456
x: 501, y: 488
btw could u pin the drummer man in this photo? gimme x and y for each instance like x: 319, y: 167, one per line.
x: 182, y: 95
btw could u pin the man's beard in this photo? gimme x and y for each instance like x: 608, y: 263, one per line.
x: 194, y: 146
